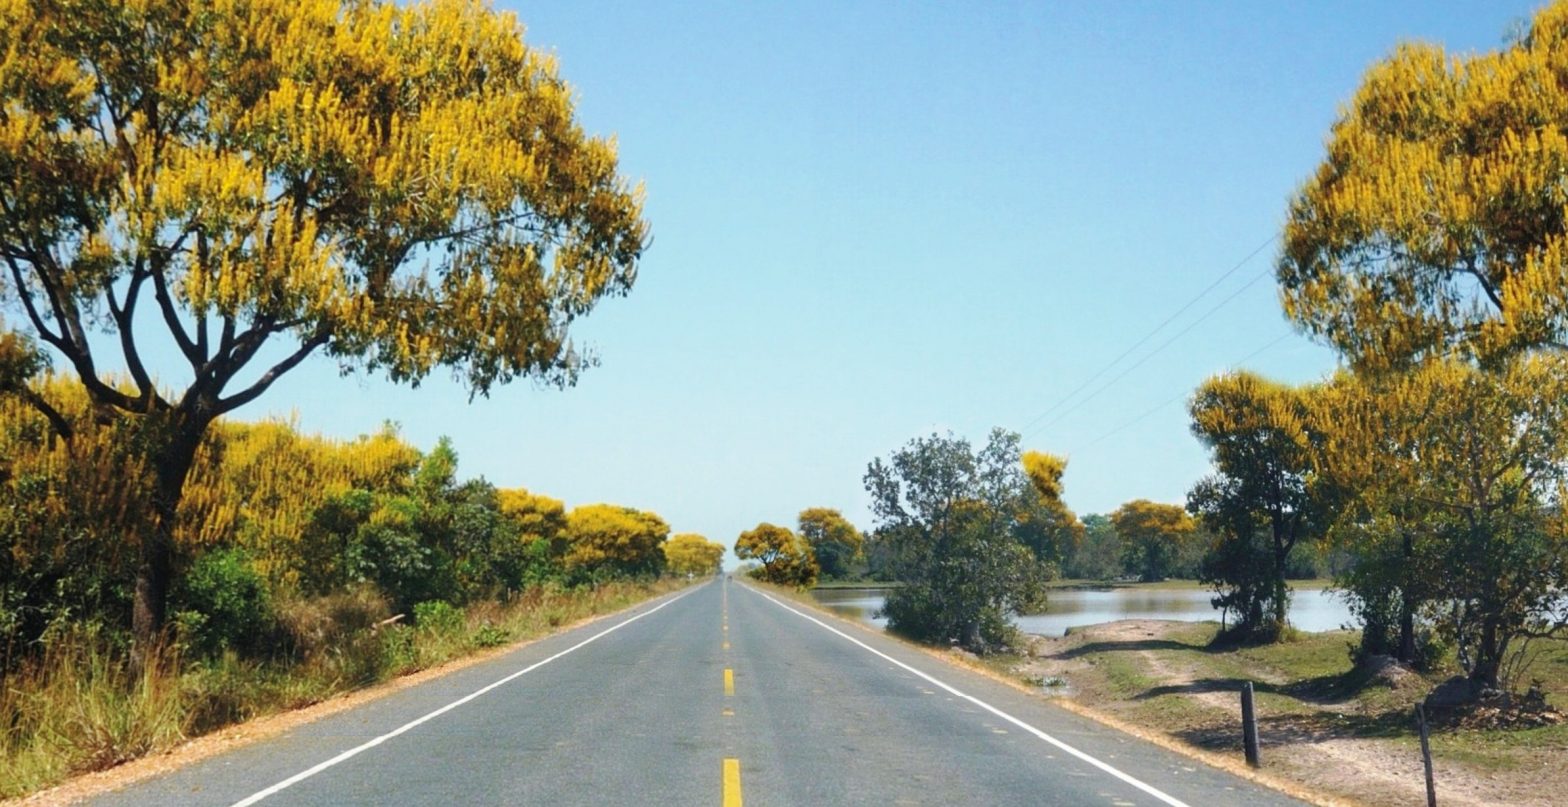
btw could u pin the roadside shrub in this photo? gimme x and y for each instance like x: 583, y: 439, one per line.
x: 920, y: 614
x: 438, y: 616
x: 226, y: 605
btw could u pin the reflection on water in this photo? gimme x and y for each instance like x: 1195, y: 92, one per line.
x: 1310, y: 610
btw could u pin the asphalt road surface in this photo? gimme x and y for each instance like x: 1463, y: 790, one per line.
x: 719, y: 694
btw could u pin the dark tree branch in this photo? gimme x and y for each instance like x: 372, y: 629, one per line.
x: 28, y: 305
x: 171, y: 318
x: 61, y: 426
x: 1484, y: 281
x: 124, y: 317
x: 72, y: 342
x: 255, y: 390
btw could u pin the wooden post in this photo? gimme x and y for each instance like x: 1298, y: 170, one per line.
x: 1426, y: 757
x: 1249, y: 725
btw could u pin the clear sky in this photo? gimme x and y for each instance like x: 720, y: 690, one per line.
x: 875, y: 220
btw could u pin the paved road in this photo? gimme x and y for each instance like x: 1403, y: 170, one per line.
x: 715, y: 695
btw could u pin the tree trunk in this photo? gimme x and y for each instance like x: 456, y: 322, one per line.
x: 1281, y: 552
x: 1407, y: 631
x: 1407, y: 611
x: 1488, y: 656
x: 173, y: 454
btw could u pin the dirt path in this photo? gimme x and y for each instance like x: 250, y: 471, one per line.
x: 1373, y: 771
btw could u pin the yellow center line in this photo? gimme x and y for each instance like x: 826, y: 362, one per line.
x: 729, y: 682
x: 726, y: 645
x: 732, y: 782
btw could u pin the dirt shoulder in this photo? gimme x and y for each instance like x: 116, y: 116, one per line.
x: 1322, y: 725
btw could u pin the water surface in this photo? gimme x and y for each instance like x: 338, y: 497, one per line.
x: 1310, y: 609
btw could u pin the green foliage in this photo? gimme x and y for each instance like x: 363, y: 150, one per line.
x: 1099, y: 555
x: 438, y: 616
x: 949, y: 518
x: 225, y: 604
x: 1152, y: 536
x: 1264, y: 497
x: 834, y: 541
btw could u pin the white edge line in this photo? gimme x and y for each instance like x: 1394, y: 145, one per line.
x: 356, y: 750
x: 1147, y: 788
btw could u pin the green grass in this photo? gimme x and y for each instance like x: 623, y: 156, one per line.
x: 77, y: 709
x: 876, y: 584
x: 1168, y: 585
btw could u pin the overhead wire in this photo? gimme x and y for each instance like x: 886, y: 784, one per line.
x: 1151, y: 354
x: 1135, y: 421
x: 1150, y: 335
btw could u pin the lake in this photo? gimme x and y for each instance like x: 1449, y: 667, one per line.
x: 1310, y: 609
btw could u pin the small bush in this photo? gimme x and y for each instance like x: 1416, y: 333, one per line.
x: 226, y: 605
x: 438, y: 616
x: 490, y: 636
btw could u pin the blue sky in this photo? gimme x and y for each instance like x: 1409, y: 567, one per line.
x: 875, y: 220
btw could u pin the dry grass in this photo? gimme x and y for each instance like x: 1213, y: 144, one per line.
x: 76, y: 709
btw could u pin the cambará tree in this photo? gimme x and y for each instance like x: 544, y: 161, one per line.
x: 609, y: 539
x: 1151, y: 534
x: 1045, y: 524
x: 399, y: 187
x: 689, y: 553
x: 1476, y: 462
x: 1262, y: 500
x: 786, y: 558
x: 1439, y: 219
x: 834, y: 541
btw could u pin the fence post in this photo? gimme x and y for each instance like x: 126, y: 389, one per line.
x: 1249, y: 725
x: 1426, y: 757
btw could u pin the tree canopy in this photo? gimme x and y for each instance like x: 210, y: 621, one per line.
x: 610, y: 539
x: 786, y: 558
x: 689, y: 553
x: 1262, y: 500
x: 400, y: 187
x: 1437, y: 220
x: 1151, y: 533
x: 834, y: 541
x: 949, y: 517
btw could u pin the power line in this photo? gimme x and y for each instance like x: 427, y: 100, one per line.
x: 1150, y: 335
x: 1135, y: 421
x: 1151, y: 354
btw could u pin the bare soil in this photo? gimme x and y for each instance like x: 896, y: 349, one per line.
x: 1352, y: 743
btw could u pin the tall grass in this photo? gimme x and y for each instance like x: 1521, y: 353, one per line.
x: 76, y: 708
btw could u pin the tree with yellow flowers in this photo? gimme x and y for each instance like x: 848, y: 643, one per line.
x: 786, y: 558
x: 399, y: 187
x: 1151, y: 533
x: 1437, y: 219
x: 1263, y: 499
x: 834, y: 541
x: 1455, y: 477
x: 609, y: 539
x: 1044, y: 523
x: 689, y: 553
